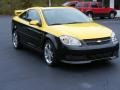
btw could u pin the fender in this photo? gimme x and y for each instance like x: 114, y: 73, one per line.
x: 55, y: 40
x: 114, y: 12
x: 88, y: 11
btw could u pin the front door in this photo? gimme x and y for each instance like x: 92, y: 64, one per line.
x: 32, y: 35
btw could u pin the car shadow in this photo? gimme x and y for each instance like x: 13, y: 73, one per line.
x: 86, y: 67
x: 98, y: 65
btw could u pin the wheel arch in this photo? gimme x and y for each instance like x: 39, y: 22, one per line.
x: 113, y: 11
x: 89, y: 12
x: 13, y: 27
x: 53, y: 39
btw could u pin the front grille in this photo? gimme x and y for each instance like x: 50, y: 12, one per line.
x: 88, y: 57
x: 101, y: 55
x: 98, y: 41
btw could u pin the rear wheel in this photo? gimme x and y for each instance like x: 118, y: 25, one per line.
x: 50, y: 53
x: 112, y: 15
x: 16, y: 40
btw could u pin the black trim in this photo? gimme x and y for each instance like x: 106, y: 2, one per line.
x: 54, y: 40
x: 30, y: 35
x: 89, y: 53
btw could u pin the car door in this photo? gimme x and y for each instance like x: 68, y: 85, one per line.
x: 96, y: 10
x: 102, y: 10
x: 32, y: 35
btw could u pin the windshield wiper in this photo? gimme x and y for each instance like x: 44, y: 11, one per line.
x: 74, y: 22
x: 56, y: 24
x: 65, y: 23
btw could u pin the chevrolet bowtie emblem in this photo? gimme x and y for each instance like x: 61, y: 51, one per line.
x: 99, y: 41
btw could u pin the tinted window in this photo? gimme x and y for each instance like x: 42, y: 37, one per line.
x: 86, y: 5
x: 30, y: 15
x: 72, y: 4
x: 24, y: 15
x: 78, y: 5
x: 94, y: 5
x: 33, y: 15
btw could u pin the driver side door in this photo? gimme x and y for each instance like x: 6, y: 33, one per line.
x: 32, y: 34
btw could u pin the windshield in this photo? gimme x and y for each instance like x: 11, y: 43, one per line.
x: 64, y: 16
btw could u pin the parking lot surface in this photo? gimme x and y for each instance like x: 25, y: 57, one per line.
x: 25, y: 70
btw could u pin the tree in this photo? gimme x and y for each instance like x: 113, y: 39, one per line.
x: 50, y: 2
x: 26, y: 3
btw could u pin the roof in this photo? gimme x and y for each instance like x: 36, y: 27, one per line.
x: 47, y: 7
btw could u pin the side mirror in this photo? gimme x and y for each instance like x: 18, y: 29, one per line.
x: 35, y: 22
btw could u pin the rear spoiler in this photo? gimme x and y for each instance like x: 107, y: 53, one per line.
x: 18, y: 12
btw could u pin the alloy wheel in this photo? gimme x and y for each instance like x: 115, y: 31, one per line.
x: 15, y: 39
x: 48, y: 53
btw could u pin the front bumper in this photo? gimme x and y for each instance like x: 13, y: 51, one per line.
x: 85, y: 54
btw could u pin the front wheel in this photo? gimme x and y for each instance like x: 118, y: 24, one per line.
x: 50, y: 53
x: 16, y: 40
x: 89, y: 14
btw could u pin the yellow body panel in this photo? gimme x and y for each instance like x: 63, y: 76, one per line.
x: 80, y: 31
x: 18, y: 12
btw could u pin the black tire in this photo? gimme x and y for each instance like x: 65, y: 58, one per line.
x: 90, y: 14
x: 16, y: 40
x: 49, y: 48
x: 112, y: 15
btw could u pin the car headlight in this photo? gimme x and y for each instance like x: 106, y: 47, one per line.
x: 114, y: 38
x: 68, y: 40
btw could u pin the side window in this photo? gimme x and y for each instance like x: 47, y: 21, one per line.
x: 86, y: 5
x: 24, y: 15
x: 78, y: 5
x: 73, y: 4
x: 30, y: 15
x: 33, y: 15
x: 94, y: 5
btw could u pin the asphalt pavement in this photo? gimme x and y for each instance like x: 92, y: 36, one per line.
x: 25, y: 70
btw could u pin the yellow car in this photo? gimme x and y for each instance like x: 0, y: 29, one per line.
x: 63, y: 34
